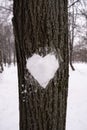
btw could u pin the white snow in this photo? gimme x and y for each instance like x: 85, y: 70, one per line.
x: 43, y: 69
x: 9, y: 99
x: 77, y: 99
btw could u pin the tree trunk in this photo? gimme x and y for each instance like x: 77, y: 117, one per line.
x: 41, y: 26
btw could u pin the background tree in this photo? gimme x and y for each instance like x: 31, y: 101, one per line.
x: 41, y: 27
x: 7, y: 47
x: 80, y: 40
x: 77, y: 31
x: 72, y: 28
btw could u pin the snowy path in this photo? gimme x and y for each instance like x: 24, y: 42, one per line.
x: 77, y: 99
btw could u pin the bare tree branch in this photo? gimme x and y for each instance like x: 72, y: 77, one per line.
x: 73, y: 3
x: 2, y: 7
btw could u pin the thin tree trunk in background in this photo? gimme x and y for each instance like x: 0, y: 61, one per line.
x: 14, y: 57
x: 1, y: 64
x: 72, y: 37
x: 41, y: 26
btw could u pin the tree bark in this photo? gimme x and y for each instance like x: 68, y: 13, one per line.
x: 41, y: 26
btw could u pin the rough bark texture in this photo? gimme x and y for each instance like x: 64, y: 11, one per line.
x: 40, y: 26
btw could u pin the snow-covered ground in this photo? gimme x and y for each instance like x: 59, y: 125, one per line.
x: 77, y: 99
x: 9, y: 99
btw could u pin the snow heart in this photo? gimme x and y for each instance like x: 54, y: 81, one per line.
x: 43, y: 69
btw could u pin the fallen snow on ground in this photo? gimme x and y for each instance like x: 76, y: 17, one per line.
x: 77, y: 99
x: 43, y: 69
x: 9, y: 99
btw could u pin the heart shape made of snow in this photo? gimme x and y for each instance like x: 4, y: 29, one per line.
x: 43, y: 69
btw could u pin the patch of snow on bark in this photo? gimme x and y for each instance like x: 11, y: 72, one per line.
x: 43, y: 69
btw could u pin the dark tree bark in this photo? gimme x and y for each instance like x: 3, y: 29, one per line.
x: 41, y: 26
